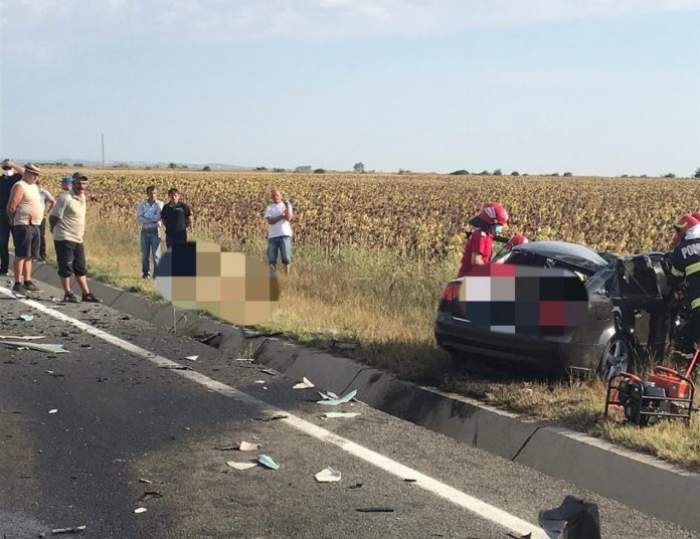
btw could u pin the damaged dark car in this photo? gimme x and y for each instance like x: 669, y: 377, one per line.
x: 633, y: 316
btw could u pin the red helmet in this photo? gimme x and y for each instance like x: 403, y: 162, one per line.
x: 494, y: 214
x: 517, y: 239
x: 682, y: 225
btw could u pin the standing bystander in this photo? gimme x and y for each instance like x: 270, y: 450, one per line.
x: 67, y: 222
x: 11, y: 174
x: 48, y: 202
x: 177, y: 218
x: 25, y: 212
x: 279, y: 234
x: 148, y: 215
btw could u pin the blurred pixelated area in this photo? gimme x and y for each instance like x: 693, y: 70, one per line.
x: 521, y: 300
x: 233, y: 287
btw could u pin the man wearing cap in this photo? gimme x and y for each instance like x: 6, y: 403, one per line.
x: 25, y: 211
x: 11, y: 174
x: 67, y: 222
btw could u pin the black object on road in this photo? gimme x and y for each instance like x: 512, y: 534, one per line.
x: 582, y: 520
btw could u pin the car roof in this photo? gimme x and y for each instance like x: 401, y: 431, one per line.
x: 569, y: 253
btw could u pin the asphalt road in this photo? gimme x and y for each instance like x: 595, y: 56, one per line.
x: 124, y: 414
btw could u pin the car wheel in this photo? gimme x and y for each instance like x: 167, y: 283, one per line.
x: 617, y: 358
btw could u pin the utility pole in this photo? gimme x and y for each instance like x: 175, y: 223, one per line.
x: 102, y: 136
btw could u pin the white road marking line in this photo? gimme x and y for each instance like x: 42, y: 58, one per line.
x: 434, y: 486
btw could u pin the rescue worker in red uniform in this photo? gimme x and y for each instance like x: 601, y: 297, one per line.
x: 479, y: 248
x: 517, y: 239
x: 685, y: 264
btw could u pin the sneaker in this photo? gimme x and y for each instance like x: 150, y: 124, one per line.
x: 69, y: 297
x: 89, y: 298
x: 30, y: 286
x: 17, y: 288
x: 145, y: 276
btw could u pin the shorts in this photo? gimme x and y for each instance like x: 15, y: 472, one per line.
x: 281, y: 245
x: 71, y: 258
x: 26, y: 240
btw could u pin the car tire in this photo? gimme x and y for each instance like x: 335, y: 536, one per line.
x: 617, y: 357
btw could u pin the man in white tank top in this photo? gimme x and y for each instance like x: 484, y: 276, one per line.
x: 25, y: 211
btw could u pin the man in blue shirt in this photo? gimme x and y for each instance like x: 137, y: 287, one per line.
x: 148, y: 215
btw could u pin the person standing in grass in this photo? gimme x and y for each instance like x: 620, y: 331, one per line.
x: 177, y: 218
x: 25, y: 211
x: 279, y: 232
x: 148, y: 215
x: 67, y: 222
x: 48, y: 202
x: 11, y: 174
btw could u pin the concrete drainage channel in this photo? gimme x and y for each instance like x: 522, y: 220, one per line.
x: 645, y: 483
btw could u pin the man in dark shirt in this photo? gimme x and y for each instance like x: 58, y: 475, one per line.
x: 11, y: 174
x: 177, y: 218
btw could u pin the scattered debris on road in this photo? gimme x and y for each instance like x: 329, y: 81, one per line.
x: 53, y: 411
x: 241, y: 466
x: 22, y: 337
x: 269, y: 371
x: 271, y: 416
x: 259, y: 382
x: 76, y: 529
x: 356, y: 485
x: 268, y: 462
x: 328, y: 475
x: 573, y: 519
x: 176, y: 367
x: 410, y: 480
x: 145, y: 481
x: 304, y: 384
x: 338, y: 400
x: 247, y: 446
x: 333, y: 415
x: 26, y: 317
x: 192, y: 358
x: 48, y: 348
x: 55, y: 374
x: 245, y: 359
x: 375, y: 510
x: 148, y: 495
x: 140, y: 510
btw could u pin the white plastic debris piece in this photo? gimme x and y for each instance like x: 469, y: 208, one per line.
x: 48, y: 348
x: 53, y: 411
x: 248, y: 446
x: 27, y: 317
x: 268, y: 462
x: 333, y: 415
x: 145, y: 481
x: 241, y: 466
x: 259, y: 382
x: 269, y: 371
x: 245, y: 359
x: 23, y: 337
x: 328, y: 475
x: 304, y: 384
x: 140, y: 510
x: 76, y: 529
x: 339, y: 400
x: 192, y: 358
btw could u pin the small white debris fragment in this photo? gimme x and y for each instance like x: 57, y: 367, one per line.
x: 140, y: 510
x: 241, y: 466
x: 328, y: 475
x: 248, y: 446
x: 333, y: 415
x: 53, y: 411
x: 304, y: 384
x: 192, y: 358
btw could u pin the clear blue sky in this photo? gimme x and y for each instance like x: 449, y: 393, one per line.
x: 591, y: 86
